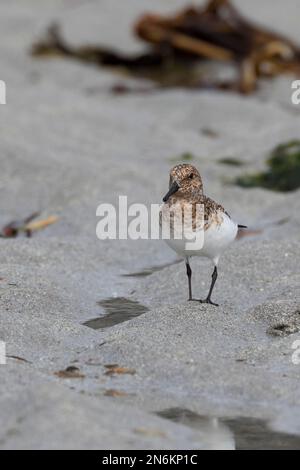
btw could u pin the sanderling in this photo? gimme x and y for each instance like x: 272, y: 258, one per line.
x: 219, y: 230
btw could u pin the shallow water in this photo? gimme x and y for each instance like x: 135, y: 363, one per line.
x: 233, y: 433
x: 118, y: 310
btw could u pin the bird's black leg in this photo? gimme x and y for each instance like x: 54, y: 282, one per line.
x: 213, y: 281
x: 189, y: 275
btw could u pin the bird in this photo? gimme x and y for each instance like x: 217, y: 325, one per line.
x: 215, y: 225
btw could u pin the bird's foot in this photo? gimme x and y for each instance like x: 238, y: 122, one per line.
x: 208, y: 301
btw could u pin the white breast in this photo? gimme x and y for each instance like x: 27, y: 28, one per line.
x: 216, y: 239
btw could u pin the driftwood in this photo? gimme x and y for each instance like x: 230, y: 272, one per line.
x: 220, y: 32
x: 26, y: 226
x: 216, y: 32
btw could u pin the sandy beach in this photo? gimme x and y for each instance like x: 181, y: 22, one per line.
x: 192, y: 376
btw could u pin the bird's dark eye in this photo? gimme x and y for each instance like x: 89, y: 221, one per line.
x: 191, y: 176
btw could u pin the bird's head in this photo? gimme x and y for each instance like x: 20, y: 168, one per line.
x: 185, y: 180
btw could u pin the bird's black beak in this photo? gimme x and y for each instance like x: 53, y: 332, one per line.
x: 173, y: 189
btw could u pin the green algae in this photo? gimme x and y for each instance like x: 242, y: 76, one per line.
x: 283, y: 172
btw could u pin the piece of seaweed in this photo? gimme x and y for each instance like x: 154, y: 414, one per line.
x: 283, y: 173
x: 178, y: 43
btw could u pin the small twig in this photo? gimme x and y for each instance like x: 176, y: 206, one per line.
x: 40, y: 224
x: 18, y: 358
